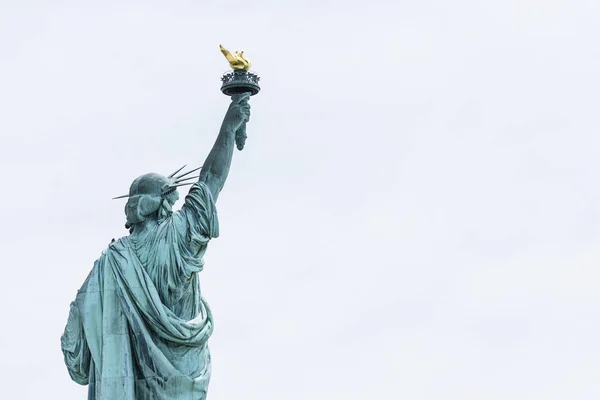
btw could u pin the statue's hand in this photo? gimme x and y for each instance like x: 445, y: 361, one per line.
x: 237, y: 116
x: 239, y: 111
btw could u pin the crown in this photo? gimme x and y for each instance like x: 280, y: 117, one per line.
x: 158, y: 184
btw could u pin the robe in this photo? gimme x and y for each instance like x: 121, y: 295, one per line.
x: 138, y: 327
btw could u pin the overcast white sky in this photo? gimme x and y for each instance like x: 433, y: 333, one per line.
x: 415, y: 214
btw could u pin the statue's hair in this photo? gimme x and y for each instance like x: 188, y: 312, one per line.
x: 141, y: 206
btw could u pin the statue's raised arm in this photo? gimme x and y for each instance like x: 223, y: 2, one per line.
x: 216, y: 166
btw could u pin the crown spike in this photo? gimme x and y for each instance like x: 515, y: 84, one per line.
x: 186, y: 179
x: 173, y: 174
x: 120, y: 197
x: 187, y: 173
x: 182, y: 184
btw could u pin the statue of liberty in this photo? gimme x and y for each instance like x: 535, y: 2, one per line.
x: 138, y: 327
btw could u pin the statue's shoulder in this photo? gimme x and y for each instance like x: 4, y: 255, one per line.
x: 117, y: 245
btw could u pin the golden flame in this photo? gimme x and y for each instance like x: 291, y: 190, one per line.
x: 237, y: 59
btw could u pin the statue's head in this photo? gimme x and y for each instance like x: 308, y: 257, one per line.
x: 153, y: 196
x: 150, y: 196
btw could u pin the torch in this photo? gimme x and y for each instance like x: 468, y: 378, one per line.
x: 239, y: 80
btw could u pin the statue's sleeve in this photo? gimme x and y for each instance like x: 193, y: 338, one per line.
x: 198, y: 219
x: 75, y: 348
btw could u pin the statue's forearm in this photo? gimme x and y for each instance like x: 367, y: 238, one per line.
x: 216, y: 166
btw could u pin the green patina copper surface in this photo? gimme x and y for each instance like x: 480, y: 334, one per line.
x: 138, y: 327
